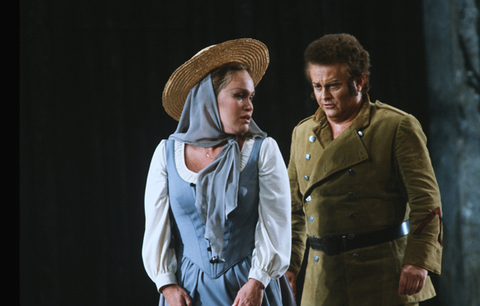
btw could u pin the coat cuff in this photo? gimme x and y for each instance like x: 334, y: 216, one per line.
x: 295, y: 265
x: 425, y: 255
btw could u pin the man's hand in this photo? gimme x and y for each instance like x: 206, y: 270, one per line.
x: 292, y: 279
x: 412, y: 280
x: 251, y: 294
x: 176, y: 296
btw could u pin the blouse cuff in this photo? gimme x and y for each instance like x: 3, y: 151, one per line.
x: 164, y: 279
x: 260, y: 276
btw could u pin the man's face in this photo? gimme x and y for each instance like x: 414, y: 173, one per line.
x: 333, y: 93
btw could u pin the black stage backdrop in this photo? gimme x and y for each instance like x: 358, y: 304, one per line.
x: 91, y: 78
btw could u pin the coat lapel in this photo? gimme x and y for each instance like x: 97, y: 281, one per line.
x: 345, y: 151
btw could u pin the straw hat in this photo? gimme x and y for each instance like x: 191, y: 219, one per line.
x: 245, y: 50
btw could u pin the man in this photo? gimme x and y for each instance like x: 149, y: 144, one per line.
x: 364, y: 193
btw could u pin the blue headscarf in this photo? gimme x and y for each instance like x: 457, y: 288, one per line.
x: 217, y: 184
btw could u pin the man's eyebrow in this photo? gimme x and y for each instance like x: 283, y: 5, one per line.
x: 329, y: 82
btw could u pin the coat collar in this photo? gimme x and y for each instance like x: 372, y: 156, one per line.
x: 361, y: 121
x: 363, y: 117
x: 343, y: 152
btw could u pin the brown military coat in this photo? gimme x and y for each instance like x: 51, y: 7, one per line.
x: 373, y: 176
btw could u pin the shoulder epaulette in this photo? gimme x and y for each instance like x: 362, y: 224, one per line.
x: 304, y: 120
x: 389, y: 107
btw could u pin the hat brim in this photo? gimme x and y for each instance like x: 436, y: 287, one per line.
x: 250, y: 52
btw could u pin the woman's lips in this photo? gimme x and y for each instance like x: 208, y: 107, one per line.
x: 246, y: 118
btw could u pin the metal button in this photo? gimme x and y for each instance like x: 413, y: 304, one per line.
x: 307, y: 156
x: 360, y: 133
x: 308, y: 199
x: 315, y: 258
x: 351, y: 195
x: 351, y: 236
x: 351, y: 172
x: 351, y: 216
x: 310, y: 219
x: 312, y: 138
x: 306, y: 178
x: 355, y: 256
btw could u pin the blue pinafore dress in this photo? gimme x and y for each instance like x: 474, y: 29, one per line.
x: 217, y: 283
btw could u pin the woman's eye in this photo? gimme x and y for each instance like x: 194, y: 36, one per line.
x: 239, y: 96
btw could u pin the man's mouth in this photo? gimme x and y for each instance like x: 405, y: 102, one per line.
x: 328, y: 105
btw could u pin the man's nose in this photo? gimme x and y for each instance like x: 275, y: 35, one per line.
x: 325, y: 94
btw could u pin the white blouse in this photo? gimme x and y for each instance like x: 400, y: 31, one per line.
x: 271, y: 256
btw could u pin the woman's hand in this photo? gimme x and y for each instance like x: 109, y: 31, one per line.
x: 412, y: 280
x: 251, y: 294
x: 176, y: 296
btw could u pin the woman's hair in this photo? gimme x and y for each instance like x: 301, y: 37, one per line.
x: 222, y: 75
x: 339, y: 48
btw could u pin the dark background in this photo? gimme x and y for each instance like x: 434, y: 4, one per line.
x: 91, y: 78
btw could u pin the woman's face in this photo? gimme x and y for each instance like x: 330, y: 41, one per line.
x: 235, y: 103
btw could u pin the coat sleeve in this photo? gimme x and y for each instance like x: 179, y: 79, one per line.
x: 158, y: 258
x: 417, y: 179
x: 271, y: 255
x: 298, y: 214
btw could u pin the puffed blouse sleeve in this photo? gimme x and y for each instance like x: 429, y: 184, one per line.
x: 158, y: 257
x: 271, y: 255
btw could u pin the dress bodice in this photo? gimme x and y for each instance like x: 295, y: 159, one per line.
x: 188, y: 230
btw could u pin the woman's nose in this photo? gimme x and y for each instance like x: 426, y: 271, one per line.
x: 248, y: 104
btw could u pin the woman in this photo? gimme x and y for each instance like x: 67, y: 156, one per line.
x: 217, y: 198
